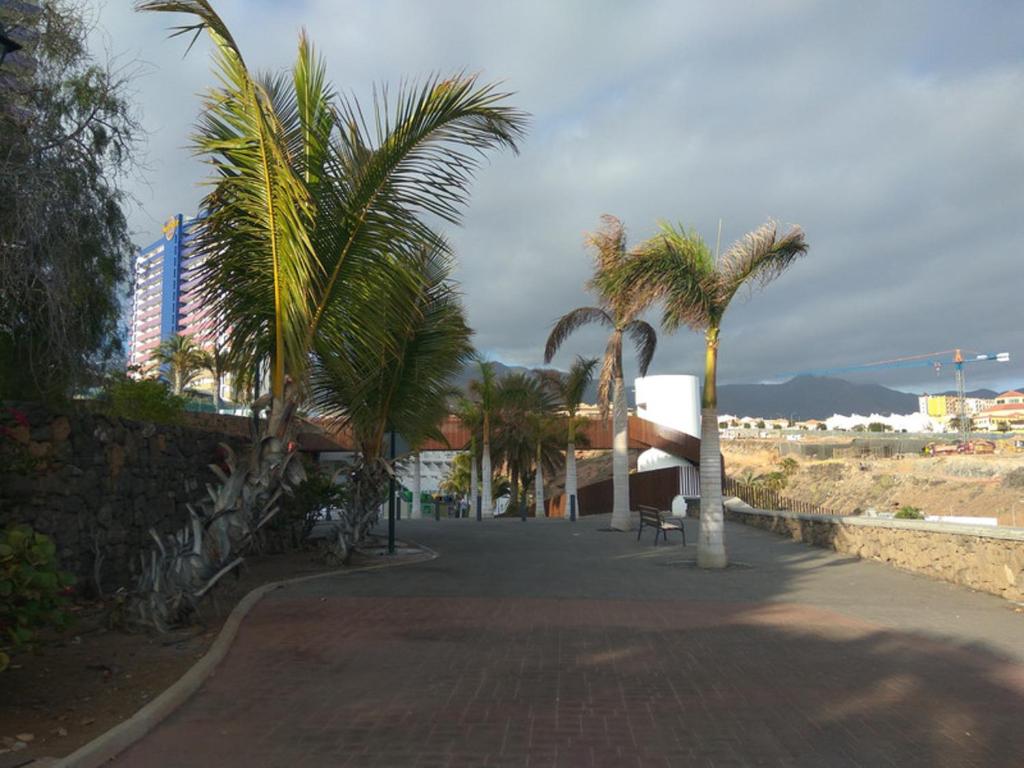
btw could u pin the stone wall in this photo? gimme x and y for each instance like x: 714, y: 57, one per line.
x: 97, y: 484
x: 982, y: 558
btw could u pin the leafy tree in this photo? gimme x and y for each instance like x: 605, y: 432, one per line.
x: 696, y: 287
x: 145, y: 399
x: 67, y: 138
x: 620, y: 311
x: 570, y: 390
x: 878, y: 426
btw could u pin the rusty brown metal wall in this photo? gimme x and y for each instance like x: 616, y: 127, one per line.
x: 656, y: 488
x: 643, y: 434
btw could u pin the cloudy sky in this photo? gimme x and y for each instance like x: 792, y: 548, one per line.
x: 891, y: 132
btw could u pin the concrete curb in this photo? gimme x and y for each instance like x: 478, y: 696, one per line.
x: 108, y: 745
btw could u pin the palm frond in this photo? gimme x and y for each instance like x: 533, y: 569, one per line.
x: 608, y: 242
x: 572, y: 321
x: 674, y: 267
x: 419, y: 157
x: 645, y: 340
x: 759, y: 257
x: 611, y: 369
x: 258, y: 215
x: 573, y: 386
x: 406, y: 385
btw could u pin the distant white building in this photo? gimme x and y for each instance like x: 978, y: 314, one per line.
x: 911, y: 422
x: 434, y: 468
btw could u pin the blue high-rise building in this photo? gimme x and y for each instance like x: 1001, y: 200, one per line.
x: 166, y: 300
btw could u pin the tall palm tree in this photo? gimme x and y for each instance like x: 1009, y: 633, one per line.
x: 696, y: 286
x: 571, y: 389
x: 184, y: 360
x: 315, y: 204
x: 485, y: 394
x: 618, y: 310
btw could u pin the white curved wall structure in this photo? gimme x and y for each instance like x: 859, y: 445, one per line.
x: 672, y: 401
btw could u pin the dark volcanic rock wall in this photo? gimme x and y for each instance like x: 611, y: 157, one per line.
x: 98, y: 484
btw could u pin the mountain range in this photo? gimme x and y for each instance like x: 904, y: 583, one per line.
x: 802, y: 397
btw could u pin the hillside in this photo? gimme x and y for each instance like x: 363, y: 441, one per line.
x: 812, y: 397
x: 803, y: 397
x: 971, y: 486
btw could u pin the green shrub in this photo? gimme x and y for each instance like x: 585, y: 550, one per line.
x: 31, y: 589
x: 909, y: 513
x: 301, y: 509
x: 789, y: 466
x: 142, y: 400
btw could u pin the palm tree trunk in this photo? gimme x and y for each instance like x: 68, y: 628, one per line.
x: 538, y: 487
x: 513, y: 502
x: 621, y: 519
x: 570, y: 479
x: 216, y: 392
x: 711, y: 543
x: 485, y: 480
x: 473, y: 485
x: 417, y: 505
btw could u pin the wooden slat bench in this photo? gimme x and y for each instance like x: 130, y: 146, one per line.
x: 652, y: 518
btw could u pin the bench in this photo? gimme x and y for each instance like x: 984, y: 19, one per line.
x: 652, y: 518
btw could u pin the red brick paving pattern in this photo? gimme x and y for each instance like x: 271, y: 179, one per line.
x: 454, y: 681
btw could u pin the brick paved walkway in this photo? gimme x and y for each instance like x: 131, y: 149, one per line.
x: 542, y: 644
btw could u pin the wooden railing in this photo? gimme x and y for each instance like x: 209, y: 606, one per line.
x: 761, y: 497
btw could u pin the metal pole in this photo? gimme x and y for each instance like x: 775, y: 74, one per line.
x: 391, y: 500
x: 572, y: 508
x: 479, y: 507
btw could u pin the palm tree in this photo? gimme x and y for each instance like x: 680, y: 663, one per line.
x: 484, y: 391
x: 523, y: 431
x: 316, y: 204
x: 571, y: 389
x: 619, y: 311
x: 471, y: 416
x: 696, y: 286
x: 407, y: 391
x: 215, y: 360
x: 546, y: 430
x: 183, y: 358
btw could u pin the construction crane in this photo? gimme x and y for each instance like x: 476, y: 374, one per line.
x: 936, y: 360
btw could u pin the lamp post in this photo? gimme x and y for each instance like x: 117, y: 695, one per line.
x: 7, y: 45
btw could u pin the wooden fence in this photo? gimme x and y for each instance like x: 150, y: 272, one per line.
x: 760, y: 497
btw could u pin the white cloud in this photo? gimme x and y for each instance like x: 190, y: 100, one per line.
x: 889, y: 131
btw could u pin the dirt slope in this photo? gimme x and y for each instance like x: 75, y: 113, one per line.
x: 976, y: 486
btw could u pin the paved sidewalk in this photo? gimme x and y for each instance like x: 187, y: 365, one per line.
x: 548, y: 644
